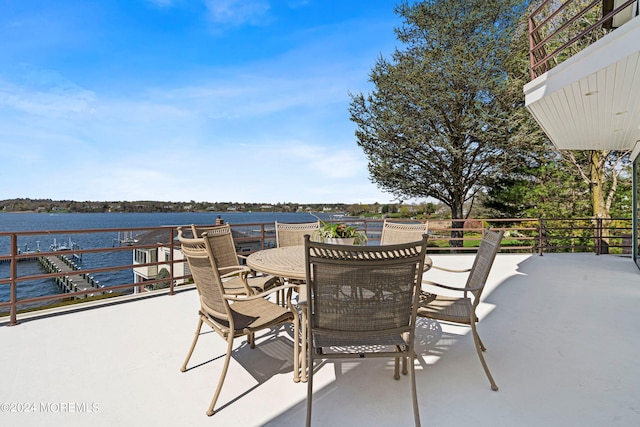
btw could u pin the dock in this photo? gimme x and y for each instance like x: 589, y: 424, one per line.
x: 30, y: 258
x: 75, y: 281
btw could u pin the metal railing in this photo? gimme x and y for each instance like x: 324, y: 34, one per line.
x: 554, y: 28
x: 114, y: 258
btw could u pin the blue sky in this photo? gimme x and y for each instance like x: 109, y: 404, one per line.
x: 179, y: 100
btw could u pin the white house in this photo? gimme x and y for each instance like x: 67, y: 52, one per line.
x: 161, y: 254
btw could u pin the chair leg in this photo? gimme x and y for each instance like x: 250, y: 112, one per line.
x: 296, y: 339
x: 404, y: 359
x: 396, y: 371
x: 414, y: 393
x: 280, y: 295
x: 304, y: 359
x: 193, y: 345
x: 479, y: 350
x: 227, y: 358
x: 309, y: 388
x: 482, y: 347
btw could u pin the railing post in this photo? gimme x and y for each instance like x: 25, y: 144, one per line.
x: 532, y: 61
x: 171, y: 260
x: 598, y: 235
x: 13, y: 276
x: 540, y: 236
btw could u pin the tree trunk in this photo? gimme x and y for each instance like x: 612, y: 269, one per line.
x: 457, y: 213
x: 598, y: 177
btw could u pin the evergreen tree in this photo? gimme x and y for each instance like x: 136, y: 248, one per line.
x: 435, y: 125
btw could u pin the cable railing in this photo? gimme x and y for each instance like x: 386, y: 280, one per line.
x: 101, y: 263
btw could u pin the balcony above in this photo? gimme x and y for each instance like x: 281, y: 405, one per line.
x: 591, y: 101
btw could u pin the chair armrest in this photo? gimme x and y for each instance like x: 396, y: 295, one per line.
x: 428, y: 263
x: 258, y: 295
x: 234, y: 270
x: 253, y: 272
x: 302, y: 295
x: 239, y: 272
x: 451, y: 270
x: 452, y: 288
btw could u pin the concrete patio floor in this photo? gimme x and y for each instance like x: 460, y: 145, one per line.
x: 561, y: 335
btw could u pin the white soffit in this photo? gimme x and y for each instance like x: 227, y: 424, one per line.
x: 592, y: 100
x: 636, y: 151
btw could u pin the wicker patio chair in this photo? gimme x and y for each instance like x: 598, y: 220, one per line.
x: 462, y: 309
x: 362, y: 302
x: 231, y: 316
x: 394, y: 233
x: 292, y: 234
x: 227, y: 259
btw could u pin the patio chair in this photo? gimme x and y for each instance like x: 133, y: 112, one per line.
x: 292, y: 234
x: 462, y: 309
x: 362, y: 302
x: 227, y: 259
x: 231, y: 316
x: 394, y: 233
x: 397, y: 232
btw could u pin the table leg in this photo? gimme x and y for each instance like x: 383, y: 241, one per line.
x: 296, y: 337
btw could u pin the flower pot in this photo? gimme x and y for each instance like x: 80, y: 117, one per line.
x: 340, y: 240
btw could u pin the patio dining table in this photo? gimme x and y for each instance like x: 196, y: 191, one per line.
x: 287, y: 262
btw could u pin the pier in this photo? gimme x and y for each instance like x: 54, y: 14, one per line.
x: 30, y: 258
x: 74, y: 281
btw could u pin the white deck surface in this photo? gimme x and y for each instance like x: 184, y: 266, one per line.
x: 561, y: 332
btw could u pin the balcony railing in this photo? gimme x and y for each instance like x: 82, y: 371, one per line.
x: 558, y: 30
x: 105, y: 256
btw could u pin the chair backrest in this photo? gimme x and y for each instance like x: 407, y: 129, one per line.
x: 197, y: 230
x: 292, y: 234
x: 397, y: 232
x: 205, y: 275
x: 221, y: 241
x: 489, y: 247
x: 362, y: 290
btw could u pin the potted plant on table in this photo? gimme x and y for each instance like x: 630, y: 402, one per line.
x: 341, y: 234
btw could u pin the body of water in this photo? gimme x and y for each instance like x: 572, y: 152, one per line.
x: 81, y: 221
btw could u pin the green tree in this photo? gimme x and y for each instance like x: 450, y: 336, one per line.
x: 434, y: 125
x: 548, y: 182
x: 162, y: 274
x: 428, y: 209
x: 540, y: 183
x: 600, y: 170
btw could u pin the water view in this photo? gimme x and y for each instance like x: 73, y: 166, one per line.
x: 81, y: 221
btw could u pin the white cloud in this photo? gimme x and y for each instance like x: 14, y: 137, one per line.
x: 48, y: 95
x: 161, y: 3
x: 237, y: 12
